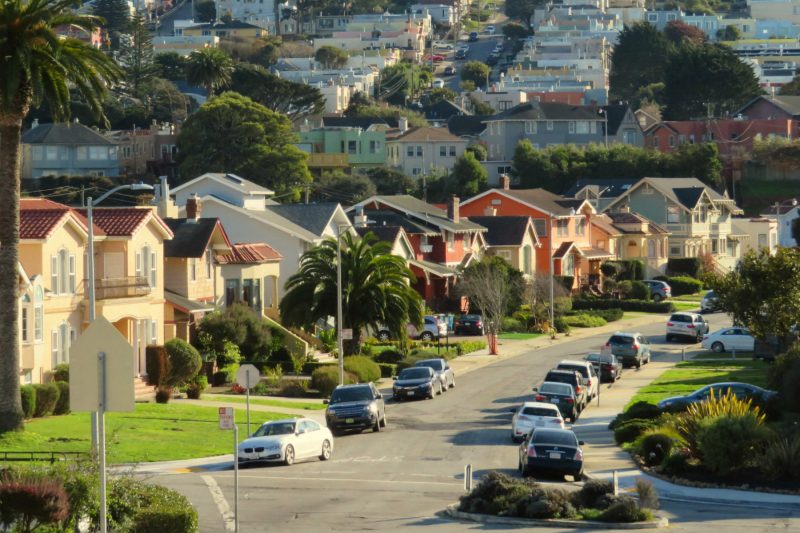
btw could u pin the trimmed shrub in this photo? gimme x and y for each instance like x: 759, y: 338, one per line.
x: 729, y: 442
x: 639, y: 291
x: 625, y: 509
x: 561, y: 324
x: 389, y: 356
x: 609, y: 315
x: 183, y: 362
x: 624, y: 288
x: 294, y: 388
x: 653, y: 446
x: 491, y: 496
x: 625, y: 305
x: 512, y: 325
x: 165, y: 510
x: 28, y: 396
x: 310, y: 366
x: 645, y: 410
x: 683, y: 266
x: 681, y: 285
x: 584, y: 320
x: 675, y: 463
x: 565, y: 281
x: 387, y: 369
x: 163, y: 394
x: 46, y: 399
x: 62, y: 405
x: 648, y: 497
x: 610, y: 269
x: 27, y: 502
x: 61, y: 372
x: 591, y: 493
x: 465, y: 347
x: 623, y: 269
x: 365, y: 368
x: 196, y: 387
x: 630, y: 430
x: 156, y: 362
x: 781, y: 458
x: 545, y: 503
x: 326, y: 378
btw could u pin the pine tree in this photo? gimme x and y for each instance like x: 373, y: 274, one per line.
x: 137, y: 58
x: 115, y: 13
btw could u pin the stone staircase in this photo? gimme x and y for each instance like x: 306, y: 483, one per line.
x: 142, y: 392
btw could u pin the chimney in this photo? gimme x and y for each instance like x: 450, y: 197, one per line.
x: 490, y: 211
x: 402, y: 124
x: 192, y: 208
x: 453, y: 205
x: 505, y: 181
x: 625, y: 208
x: 166, y: 206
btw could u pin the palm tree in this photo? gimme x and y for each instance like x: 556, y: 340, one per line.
x: 376, y: 288
x: 36, y: 65
x: 210, y: 68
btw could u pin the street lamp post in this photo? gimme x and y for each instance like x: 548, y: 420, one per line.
x: 90, y: 203
x: 340, y: 341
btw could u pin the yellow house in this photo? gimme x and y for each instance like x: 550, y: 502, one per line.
x: 513, y: 238
x: 251, y: 273
x: 129, y: 275
x: 235, y: 29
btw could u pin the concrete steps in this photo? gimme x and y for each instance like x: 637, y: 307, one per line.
x: 142, y: 391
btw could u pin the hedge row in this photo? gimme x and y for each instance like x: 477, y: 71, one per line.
x: 625, y: 305
x: 681, y: 285
x: 45, y: 399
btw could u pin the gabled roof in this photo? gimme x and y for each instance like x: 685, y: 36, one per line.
x: 685, y: 192
x: 191, y: 237
x: 394, y: 219
x: 781, y: 209
x: 426, y: 134
x: 357, y: 122
x: 313, y: 217
x: 422, y: 212
x: 602, y: 188
x: 71, y: 133
x: 269, y: 218
x: 564, y: 248
x: 616, y: 114
x: 443, y: 110
x: 547, y: 111
x: 788, y: 104
x: 229, y: 180
x: 126, y: 221
x: 390, y: 234
x: 539, y: 199
x: 40, y: 217
x: 467, y: 125
x: 250, y: 253
x: 506, y: 230
x: 618, y: 220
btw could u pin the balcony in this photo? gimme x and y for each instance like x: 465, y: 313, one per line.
x: 322, y: 160
x: 127, y: 287
x: 426, y: 248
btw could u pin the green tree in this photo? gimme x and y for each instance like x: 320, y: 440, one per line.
x: 344, y: 188
x: 295, y: 100
x: 257, y: 144
x: 136, y: 57
x: 729, y: 33
x: 792, y: 88
x: 376, y: 288
x: 493, y: 288
x: 763, y: 292
x: 205, y: 11
x: 638, y: 60
x: 36, y: 66
x: 242, y: 327
x: 115, y: 14
x: 440, y: 94
x: 468, y: 176
x: 391, y: 181
x: 678, y: 32
x: 165, y: 102
x: 699, y: 160
x: 402, y: 82
x: 331, y: 57
x: 210, y: 68
x: 478, y: 106
x: 523, y: 9
x: 172, y: 65
x: 183, y: 362
x: 512, y: 30
x: 479, y: 151
x: 699, y: 76
x: 476, y: 72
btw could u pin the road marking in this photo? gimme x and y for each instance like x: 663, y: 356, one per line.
x: 348, y: 480
x: 222, y: 503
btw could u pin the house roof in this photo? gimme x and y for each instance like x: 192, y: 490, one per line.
x: 250, y: 253
x: 602, y: 188
x: 39, y: 217
x: 268, y: 217
x: 125, y: 221
x: 436, y: 269
x: 788, y: 104
x: 619, y: 219
x: 422, y: 212
x: 190, y: 237
x: 383, y: 233
x: 685, y: 192
x: 231, y: 25
x: 229, y: 180
x: 443, y: 110
x: 616, y: 114
x: 547, y: 111
x: 505, y: 230
x: 185, y: 304
x: 780, y: 209
x: 395, y: 219
x: 357, y: 122
x: 564, y: 248
x: 467, y: 125
x: 540, y: 199
x: 72, y: 133
x: 426, y: 134
x: 313, y: 217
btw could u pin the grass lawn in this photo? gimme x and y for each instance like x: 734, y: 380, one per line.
x: 634, y: 314
x: 153, y: 432
x: 690, y: 297
x: 686, y: 306
x: 518, y: 336
x: 689, y: 376
x: 260, y: 400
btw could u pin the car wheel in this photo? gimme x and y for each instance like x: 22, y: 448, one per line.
x: 383, y: 420
x: 326, y: 450
x: 444, y: 387
x: 699, y: 338
x: 669, y: 337
x: 526, y: 472
x: 426, y: 336
x: 657, y: 297
x: 377, y: 427
x: 288, y: 456
x: 574, y: 417
x: 384, y: 336
x: 432, y: 394
x: 453, y: 383
x: 639, y: 362
x: 577, y: 476
x: 717, y: 347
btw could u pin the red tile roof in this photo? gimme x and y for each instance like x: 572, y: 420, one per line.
x: 38, y: 217
x: 122, y: 221
x: 40, y: 203
x: 250, y: 254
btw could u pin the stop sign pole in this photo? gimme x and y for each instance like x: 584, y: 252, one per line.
x: 248, y: 377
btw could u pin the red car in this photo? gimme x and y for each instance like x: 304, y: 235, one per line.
x: 434, y: 57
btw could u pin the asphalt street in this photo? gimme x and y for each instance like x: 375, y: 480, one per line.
x: 400, y: 478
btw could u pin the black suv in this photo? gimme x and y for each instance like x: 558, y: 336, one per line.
x: 571, y: 377
x: 355, y: 407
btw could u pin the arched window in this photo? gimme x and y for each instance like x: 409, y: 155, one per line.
x: 25, y: 304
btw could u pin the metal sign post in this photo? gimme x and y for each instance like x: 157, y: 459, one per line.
x: 101, y: 437
x: 227, y: 420
x: 248, y: 377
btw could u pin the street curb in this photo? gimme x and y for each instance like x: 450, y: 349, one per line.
x: 451, y: 511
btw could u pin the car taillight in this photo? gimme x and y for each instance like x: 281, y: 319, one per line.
x: 578, y: 455
x: 608, y: 345
x: 670, y: 324
x: 635, y: 346
x: 690, y: 326
x: 570, y: 400
x: 607, y: 367
x: 478, y: 323
x: 531, y: 452
x: 540, y: 398
x: 579, y: 389
x: 557, y: 421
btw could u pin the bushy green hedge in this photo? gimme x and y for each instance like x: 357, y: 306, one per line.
x: 389, y: 356
x: 61, y: 372
x: 684, y: 285
x: 609, y: 315
x: 387, y: 369
x: 62, y: 405
x: 630, y: 430
x: 365, y: 368
x: 310, y: 366
x: 584, y: 320
x: 165, y: 510
x: 28, y: 396
x: 625, y: 305
x: 326, y: 378
x: 644, y: 410
x: 639, y: 291
x: 654, y: 446
x: 46, y: 399
x: 512, y: 325
x: 683, y: 266
x: 623, y: 269
x: 565, y: 281
x: 465, y: 347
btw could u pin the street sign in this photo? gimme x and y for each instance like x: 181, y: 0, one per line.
x: 247, y: 376
x: 226, y: 418
x: 347, y: 334
x: 84, y: 384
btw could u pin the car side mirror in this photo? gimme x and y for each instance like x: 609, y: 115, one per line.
x: 326, y: 402
x: 581, y: 443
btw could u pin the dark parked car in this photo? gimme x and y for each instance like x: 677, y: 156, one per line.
x: 469, y: 324
x: 554, y: 450
x: 461, y: 53
x: 740, y: 390
x: 449, y: 70
x: 632, y: 348
x: 417, y: 382
x: 492, y: 59
x: 561, y: 395
x: 473, y: 37
x: 609, y: 367
x: 357, y: 406
x: 571, y: 377
x: 442, y: 370
x: 709, y: 303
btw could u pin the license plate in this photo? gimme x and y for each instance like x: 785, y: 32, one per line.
x: 539, y: 423
x: 553, y: 400
x: 411, y: 393
x: 348, y: 420
x: 555, y: 455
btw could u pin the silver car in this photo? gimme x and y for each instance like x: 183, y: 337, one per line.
x: 443, y: 371
x: 687, y: 325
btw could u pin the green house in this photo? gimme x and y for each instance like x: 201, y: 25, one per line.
x: 344, y: 147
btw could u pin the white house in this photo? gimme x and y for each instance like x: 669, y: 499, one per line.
x: 785, y: 213
x: 763, y: 233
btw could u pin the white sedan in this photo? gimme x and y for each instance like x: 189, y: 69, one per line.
x: 440, y: 45
x: 729, y: 339
x: 534, y: 415
x: 287, y: 441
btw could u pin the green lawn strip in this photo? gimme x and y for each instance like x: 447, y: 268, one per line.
x: 153, y: 432
x: 518, y: 336
x: 686, y: 306
x: 260, y: 400
x: 689, y: 376
x: 723, y: 355
x: 634, y: 314
x: 697, y: 297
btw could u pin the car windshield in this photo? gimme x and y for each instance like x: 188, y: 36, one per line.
x: 681, y: 318
x: 471, y: 317
x: 620, y: 339
x: 436, y: 365
x: 556, y: 388
x: 359, y: 394
x: 561, y: 438
x: 539, y: 411
x: 582, y: 369
x: 277, y: 428
x: 415, y: 373
x: 562, y: 377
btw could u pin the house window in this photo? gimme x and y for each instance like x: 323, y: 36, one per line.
x: 451, y: 241
x: 51, y: 153
x: 97, y: 153
x: 146, y: 266
x: 651, y: 248
x: 419, y: 151
x: 681, y: 139
x: 540, y: 225
x: 562, y: 228
x: 582, y: 127
x: 652, y: 17
x: 568, y: 265
x: 209, y: 264
x: 54, y: 348
x: 580, y: 226
x: 62, y: 273
x: 443, y: 151
x: 673, y: 214
x: 416, y: 171
x: 526, y: 259
x: 24, y: 319
x: 452, y: 151
x: 193, y: 269
x: 505, y: 254
x: 714, y: 246
x: 549, y: 125
x: 231, y: 292
x: 410, y: 151
x: 674, y: 251
x: 671, y: 141
x: 352, y: 147
x: 762, y: 240
x: 38, y: 314
x: 153, y: 332
x: 571, y: 127
x: 671, y: 17
x: 530, y: 127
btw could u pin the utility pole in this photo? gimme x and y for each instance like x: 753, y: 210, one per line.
x: 308, y: 190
